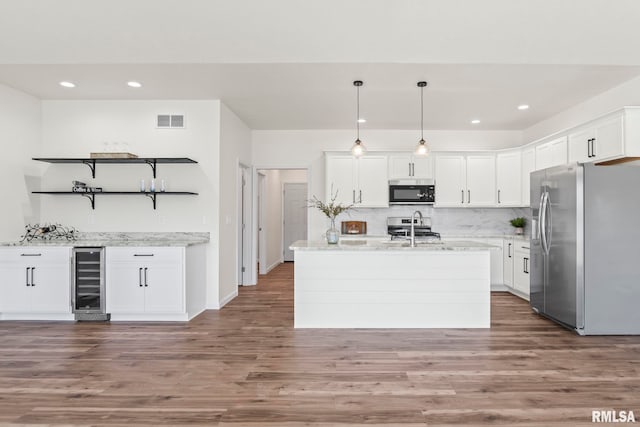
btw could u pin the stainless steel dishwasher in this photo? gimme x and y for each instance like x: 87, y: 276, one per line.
x: 89, y: 284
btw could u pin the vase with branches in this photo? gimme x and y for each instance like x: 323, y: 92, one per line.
x: 331, y: 209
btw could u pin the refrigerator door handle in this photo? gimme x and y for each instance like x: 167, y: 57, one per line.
x: 543, y: 223
x: 548, y: 217
x: 538, y: 231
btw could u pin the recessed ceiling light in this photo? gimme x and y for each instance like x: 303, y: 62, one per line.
x: 475, y: 121
x: 134, y: 84
x: 362, y: 120
x: 67, y: 84
x: 523, y: 107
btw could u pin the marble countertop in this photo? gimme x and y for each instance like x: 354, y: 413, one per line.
x: 445, y: 236
x: 396, y: 245
x: 122, y: 239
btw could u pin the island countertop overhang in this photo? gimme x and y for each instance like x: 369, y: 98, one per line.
x: 347, y: 245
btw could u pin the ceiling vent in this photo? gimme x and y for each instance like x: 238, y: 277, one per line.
x: 170, y: 121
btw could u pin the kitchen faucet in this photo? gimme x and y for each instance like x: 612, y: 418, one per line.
x: 413, y: 228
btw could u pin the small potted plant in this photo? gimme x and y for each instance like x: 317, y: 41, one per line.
x: 519, y: 224
x: 331, y: 210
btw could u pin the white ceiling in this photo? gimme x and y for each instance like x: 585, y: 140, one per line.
x: 289, y: 64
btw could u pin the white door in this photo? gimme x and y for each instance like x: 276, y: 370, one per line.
x: 422, y: 167
x: 294, y: 221
x: 580, y: 146
x: 262, y: 249
x: 528, y: 166
x: 373, y: 182
x: 558, y: 151
x: 124, y: 287
x: 244, y: 221
x: 608, y: 139
x: 481, y: 180
x: 15, y: 295
x: 450, y: 180
x: 163, y: 288
x: 340, y: 179
x: 400, y: 167
x: 51, y: 288
x: 508, y: 254
x: 508, y: 175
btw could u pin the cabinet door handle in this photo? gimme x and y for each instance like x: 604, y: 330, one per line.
x: 360, y: 196
x: 468, y: 196
x: 142, y: 254
x: 30, y: 254
x: 26, y: 280
x: 498, y: 196
x: 354, y: 196
x: 410, y: 169
x: 145, y: 277
x: 462, y: 191
x: 526, y: 265
x: 33, y: 282
x: 589, y: 148
x: 593, y: 147
x: 509, y: 250
x: 140, y: 277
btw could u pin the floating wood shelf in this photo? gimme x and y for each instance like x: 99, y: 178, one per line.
x: 92, y: 195
x: 151, y: 161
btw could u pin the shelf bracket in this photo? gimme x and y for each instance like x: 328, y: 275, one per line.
x: 92, y: 166
x: 152, y: 196
x: 92, y: 199
x: 153, y: 164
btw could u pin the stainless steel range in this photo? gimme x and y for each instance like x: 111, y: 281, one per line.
x: 400, y: 228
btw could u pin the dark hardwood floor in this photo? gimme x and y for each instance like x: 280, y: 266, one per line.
x: 245, y: 365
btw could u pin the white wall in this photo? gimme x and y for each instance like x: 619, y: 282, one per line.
x: 20, y: 131
x: 626, y: 94
x: 304, y: 149
x: 235, y: 148
x: 76, y: 128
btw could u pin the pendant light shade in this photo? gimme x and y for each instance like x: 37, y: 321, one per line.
x: 358, y: 148
x: 422, y: 149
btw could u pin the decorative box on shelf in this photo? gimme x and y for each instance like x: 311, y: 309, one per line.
x: 113, y: 156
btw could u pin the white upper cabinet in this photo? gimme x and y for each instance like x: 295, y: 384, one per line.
x: 361, y: 181
x: 340, y: 179
x: 508, y: 177
x: 451, y: 180
x: 463, y: 181
x: 373, y: 182
x: 551, y: 153
x: 528, y: 166
x: 601, y: 141
x: 407, y: 166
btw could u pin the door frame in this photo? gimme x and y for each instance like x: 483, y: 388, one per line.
x: 255, y: 169
x: 245, y: 240
x: 261, y: 247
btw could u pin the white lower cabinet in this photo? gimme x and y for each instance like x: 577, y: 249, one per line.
x: 35, y: 283
x: 507, y: 265
x: 145, y: 283
x: 521, y: 266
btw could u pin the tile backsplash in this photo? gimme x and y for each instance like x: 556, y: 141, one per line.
x: 446, y: 221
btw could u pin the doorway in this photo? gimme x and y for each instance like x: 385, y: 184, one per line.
x: 244, y: 221
x: 275, y: 214
x: 294, y: 216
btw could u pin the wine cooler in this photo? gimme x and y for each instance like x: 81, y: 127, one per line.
x: 88, y: 278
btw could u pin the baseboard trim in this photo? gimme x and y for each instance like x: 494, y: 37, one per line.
x: 226, y: 300
x: 497, y: 287
x: 274, y: 265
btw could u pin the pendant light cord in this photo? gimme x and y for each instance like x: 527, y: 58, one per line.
x: 422, y: 113
x: 358, y: 113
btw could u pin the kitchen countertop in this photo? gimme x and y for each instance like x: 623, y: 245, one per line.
x: 122, y: 239
x: 363, y: 245
x: 523, y: 237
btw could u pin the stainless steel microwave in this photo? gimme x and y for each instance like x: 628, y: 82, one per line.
x: 412, y: 192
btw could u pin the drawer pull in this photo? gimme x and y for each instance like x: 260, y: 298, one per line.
x: 30, y: 254
x: 142, y: 254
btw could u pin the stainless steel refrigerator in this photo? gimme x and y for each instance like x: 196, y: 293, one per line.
x: 585, y: 247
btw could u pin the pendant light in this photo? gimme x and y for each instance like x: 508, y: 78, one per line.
x: 422, y: 149
x: 358, y: 148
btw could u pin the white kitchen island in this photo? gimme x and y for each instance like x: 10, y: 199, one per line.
x: 360, y: 284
